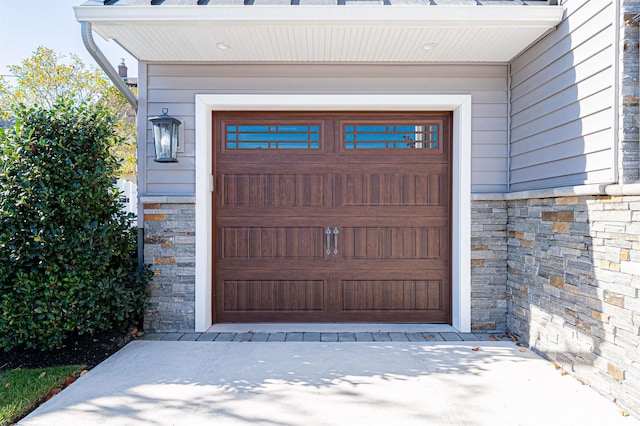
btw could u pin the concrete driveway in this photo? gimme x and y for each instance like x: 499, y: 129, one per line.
x: 326, y: 383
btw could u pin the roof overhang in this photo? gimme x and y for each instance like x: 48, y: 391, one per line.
x: 331, y: 34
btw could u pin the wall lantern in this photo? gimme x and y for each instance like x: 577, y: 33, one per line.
x: 165, y: 137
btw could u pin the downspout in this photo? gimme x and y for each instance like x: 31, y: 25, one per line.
x: 94, y: 50
x: 509, y: 128
x: 90, y: 45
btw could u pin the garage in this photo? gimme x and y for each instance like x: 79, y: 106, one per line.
x: 332, y: 217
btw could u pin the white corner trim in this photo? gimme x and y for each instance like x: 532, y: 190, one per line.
x: 204, y: 233
x: 461, y: 218
x: 461, y: 203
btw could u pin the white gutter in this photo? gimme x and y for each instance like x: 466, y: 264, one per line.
x: 440, y: 16
x: 103, y: 62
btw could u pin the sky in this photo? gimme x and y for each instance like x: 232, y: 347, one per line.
x: 27, y: 24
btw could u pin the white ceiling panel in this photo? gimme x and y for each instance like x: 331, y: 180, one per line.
x: 331, y: 34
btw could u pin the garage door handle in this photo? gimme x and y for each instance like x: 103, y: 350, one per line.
x: 328, y: 232
x: 335, y: 240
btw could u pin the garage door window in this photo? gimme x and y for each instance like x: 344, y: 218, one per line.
x: 384, y: 136
x: 272, y: 136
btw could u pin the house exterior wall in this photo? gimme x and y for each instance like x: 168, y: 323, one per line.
x: 174, y: 86
x: 563, y: 102
x: 573, y: 262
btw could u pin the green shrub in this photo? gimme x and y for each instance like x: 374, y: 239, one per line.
x: 67, y: 250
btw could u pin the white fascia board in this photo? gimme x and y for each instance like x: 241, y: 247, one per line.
x: 377, y: 102
x: 438, y: 16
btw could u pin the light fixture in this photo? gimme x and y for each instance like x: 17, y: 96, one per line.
x: 429, y: 46
x: 165, y: 137
x: 223, y: 46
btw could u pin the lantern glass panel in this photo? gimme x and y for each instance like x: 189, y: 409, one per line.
x: 166, y: 140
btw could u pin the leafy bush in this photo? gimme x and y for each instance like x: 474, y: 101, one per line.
x: 67, y: 250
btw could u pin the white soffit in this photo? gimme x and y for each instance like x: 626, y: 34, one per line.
x: 321, y: 33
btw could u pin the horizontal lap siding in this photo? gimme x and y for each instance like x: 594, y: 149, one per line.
x: 174, y: 86
x: 562, y: 110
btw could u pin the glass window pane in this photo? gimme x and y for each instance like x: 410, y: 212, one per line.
x: 391, y: 136
x: 273, y: 136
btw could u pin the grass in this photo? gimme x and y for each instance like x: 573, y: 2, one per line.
x: 21, y: 390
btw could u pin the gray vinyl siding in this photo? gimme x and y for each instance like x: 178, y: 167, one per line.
x: 174, y: 86
x: 563, y: 125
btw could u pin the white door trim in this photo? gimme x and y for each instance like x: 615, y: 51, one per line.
x: 461, y: 202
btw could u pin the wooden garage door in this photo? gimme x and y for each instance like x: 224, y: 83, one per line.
x: 332, y: 217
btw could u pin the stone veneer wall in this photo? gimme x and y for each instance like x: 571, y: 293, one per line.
x: 574, y: 279
x: 489, y: 266
x: 169, y: 247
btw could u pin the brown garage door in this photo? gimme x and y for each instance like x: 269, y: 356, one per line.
x: 332, y: 217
